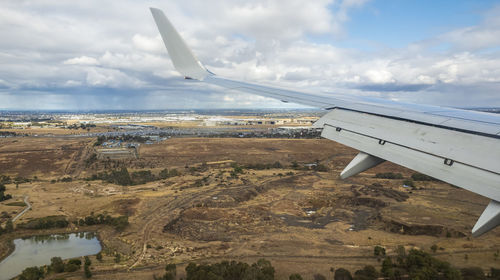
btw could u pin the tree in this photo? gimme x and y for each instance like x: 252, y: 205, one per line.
x: 379, y: 251
x: 387, y: 269
x: 87, y: 261
x: 9, y: 226
x: 473, y: 273
x: 99, y: 256
x: 434, y: 248
x: 32, y: 273
x: 88, y: 273
x: 367, y: 273
x: 319, y: 277
x: 118, y: 258
x: 71, y: 267
x: 163, y: 174
x: 171, y: 271
x: 342, y: 274
x: 295, y: 276
x: 421, y: 265
x: 495, y: 273
x: 56, y: 265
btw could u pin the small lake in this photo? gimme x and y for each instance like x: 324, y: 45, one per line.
x: 38, y: 250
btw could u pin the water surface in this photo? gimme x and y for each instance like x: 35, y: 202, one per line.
x: 38, y: 250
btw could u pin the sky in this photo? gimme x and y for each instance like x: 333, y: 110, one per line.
x: 103, y: 54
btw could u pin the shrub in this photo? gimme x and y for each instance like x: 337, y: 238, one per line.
x: 389, y: 175
x: 422, y: 177
x: 69, y: 267
x: 342, y: 274
x: 379, y: 251
x: 367, y: 273
x: 409, y: 183
x: 77, y: 262
x: 434, y: 248
x: 66, y: 179
x: 319, y: 277
x: 295, y: 276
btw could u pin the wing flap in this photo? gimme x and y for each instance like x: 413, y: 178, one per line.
x: 474, y: 179
x: 444, y: 143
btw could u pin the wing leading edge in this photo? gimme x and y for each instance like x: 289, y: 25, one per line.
x: 456, y: 146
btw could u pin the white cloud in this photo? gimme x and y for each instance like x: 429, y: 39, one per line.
x: 82, y: 60
x: 148, y: 44
x: 58, y: 45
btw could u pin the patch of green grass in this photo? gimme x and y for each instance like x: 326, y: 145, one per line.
x: 17, y: 203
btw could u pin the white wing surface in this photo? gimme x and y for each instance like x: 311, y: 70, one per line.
x: 456, y: 146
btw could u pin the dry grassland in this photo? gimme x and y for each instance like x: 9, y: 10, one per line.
x: 301, y: 220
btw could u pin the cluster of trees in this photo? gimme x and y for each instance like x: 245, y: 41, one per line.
x: 4, y: 179
x: 66, y: 179
x: 296, y: 134
x: 170, y: 273
x: 422, y: 177
x: 408, y: 182
x: 57, y: 265
x: 123, y: 178
x: 277, y: 165
x: 32, y: 273
x: 81, y: 126
x: 45, y: 223
x: 3, y: 195
x: 119, y: 223
x: 416, y: 264
x: 86, y: 267
x: 263, y: 166
x: 389, y: 175
x: 7, y: 133
x: 262, y: 269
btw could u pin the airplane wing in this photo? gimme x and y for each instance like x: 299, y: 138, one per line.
x: 459, y: 147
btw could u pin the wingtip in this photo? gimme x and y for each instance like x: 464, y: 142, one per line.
x: 183, y: 59
x: 155, y: 10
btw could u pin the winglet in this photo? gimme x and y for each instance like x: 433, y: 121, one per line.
x: 183, y: 59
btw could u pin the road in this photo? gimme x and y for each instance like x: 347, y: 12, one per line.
x: 28, y: 207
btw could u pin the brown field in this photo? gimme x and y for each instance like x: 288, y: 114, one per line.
x: 301, y: 220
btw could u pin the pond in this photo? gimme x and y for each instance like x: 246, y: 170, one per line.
x: 38, y: 250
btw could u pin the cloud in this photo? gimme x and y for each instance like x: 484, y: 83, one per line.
x: 108, y: 54
x: 82, y: 60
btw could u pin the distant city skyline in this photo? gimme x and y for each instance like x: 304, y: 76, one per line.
x: 107, y: 55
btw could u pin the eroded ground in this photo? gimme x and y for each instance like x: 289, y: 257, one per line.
x: 301, y: 220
